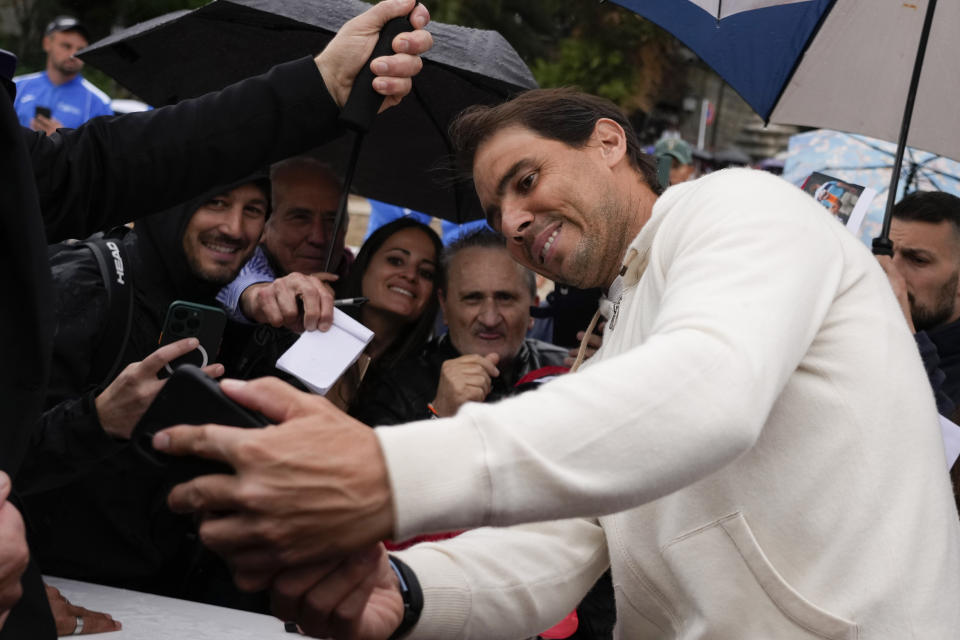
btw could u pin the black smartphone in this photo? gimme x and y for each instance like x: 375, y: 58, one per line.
x: 192, y: 320
x: 189, y: 396
x: 40, y: 110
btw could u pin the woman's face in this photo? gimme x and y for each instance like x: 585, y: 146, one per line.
x: 400, y: 277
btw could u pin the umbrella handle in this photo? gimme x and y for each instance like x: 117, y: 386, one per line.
x: 882, y: 246
x: 363, y: 103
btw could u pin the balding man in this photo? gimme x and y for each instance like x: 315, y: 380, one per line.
x: 284, y: 283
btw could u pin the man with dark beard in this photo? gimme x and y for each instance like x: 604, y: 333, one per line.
x: 82, y: 522
x: 925, y: 274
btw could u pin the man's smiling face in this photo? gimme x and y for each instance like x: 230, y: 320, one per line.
x: 556, y: 205
x: 223, y: 233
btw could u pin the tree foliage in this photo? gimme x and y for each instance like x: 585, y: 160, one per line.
x: 596, y: 46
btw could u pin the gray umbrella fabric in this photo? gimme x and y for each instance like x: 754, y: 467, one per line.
x: 405, y: 159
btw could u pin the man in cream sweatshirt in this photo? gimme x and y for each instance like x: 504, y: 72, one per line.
x: 754, y: 451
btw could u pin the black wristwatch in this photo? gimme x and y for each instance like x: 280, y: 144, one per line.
x: 412, y: 597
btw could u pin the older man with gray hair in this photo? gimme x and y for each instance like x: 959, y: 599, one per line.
x: 485, y: 298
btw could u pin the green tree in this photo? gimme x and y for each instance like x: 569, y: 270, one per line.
x: 598, y: 47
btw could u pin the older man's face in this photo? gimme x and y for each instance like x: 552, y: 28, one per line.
x: 300, y: 232
x: 487, y: 303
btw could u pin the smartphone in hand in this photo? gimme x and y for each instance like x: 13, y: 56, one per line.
x: 192, y: 320
x: 189, y: 396
x: 41, y: 110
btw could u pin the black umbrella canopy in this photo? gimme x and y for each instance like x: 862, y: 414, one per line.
x: 405, y: 157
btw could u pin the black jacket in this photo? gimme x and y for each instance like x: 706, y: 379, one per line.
x: 105, y: 173
x: 941, y: 357
x: 401, y: 393
x: 92, y: 527
x: 69, y: 437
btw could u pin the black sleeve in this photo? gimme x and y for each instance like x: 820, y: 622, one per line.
x: 114, y: 169
x: 393, y: 397
x: 67, y: 442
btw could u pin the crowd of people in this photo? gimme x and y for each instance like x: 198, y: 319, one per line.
x: 745, y: 444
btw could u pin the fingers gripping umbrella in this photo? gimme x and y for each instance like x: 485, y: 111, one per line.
x: 404, y: 157
x: 859, y: 66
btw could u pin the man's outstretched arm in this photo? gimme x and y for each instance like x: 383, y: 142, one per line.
x: 112, y: 170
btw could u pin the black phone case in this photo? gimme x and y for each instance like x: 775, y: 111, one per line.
x: 189, y: 397
x: 192, y: 320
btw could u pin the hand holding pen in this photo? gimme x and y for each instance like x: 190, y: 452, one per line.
x: 350, y: 302
x: 297, y: 301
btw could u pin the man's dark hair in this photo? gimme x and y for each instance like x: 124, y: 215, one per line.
x: 565, y: 115
x: 480, y: 239
x: 929, y: 206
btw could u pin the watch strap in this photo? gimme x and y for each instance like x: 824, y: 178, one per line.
x: 412, y: 596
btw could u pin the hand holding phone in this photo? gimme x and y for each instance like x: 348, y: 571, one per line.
x: 127, y: 397
x: 189, y: 396
x: 192, y: 320
x: 41, y: 110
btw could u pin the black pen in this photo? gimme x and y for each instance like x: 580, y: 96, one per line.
x: 350, y: 302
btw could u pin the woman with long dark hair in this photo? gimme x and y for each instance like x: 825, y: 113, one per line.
x: 400, y: 253
x: 396, y: 269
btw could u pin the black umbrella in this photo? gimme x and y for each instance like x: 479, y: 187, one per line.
x: 405, y: 156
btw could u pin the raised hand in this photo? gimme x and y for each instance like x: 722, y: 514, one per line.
x: 121, y: 405
x: 464, y: 379
x: 342, y: 59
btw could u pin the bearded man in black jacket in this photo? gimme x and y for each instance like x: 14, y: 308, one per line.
x: 73, y: 183
x: 83, y: 522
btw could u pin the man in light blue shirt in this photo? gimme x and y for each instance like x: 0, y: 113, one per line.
x: 59, y: 96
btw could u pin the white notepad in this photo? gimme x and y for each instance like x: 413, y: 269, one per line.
x: 319, y: 358
x: 951, y: 440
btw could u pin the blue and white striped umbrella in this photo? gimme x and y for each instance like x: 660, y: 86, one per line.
x: 839, y: 64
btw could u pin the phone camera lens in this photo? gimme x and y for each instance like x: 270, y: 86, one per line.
x: 177, y: 327
x: 180, y: 314
x: 193, y: 323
